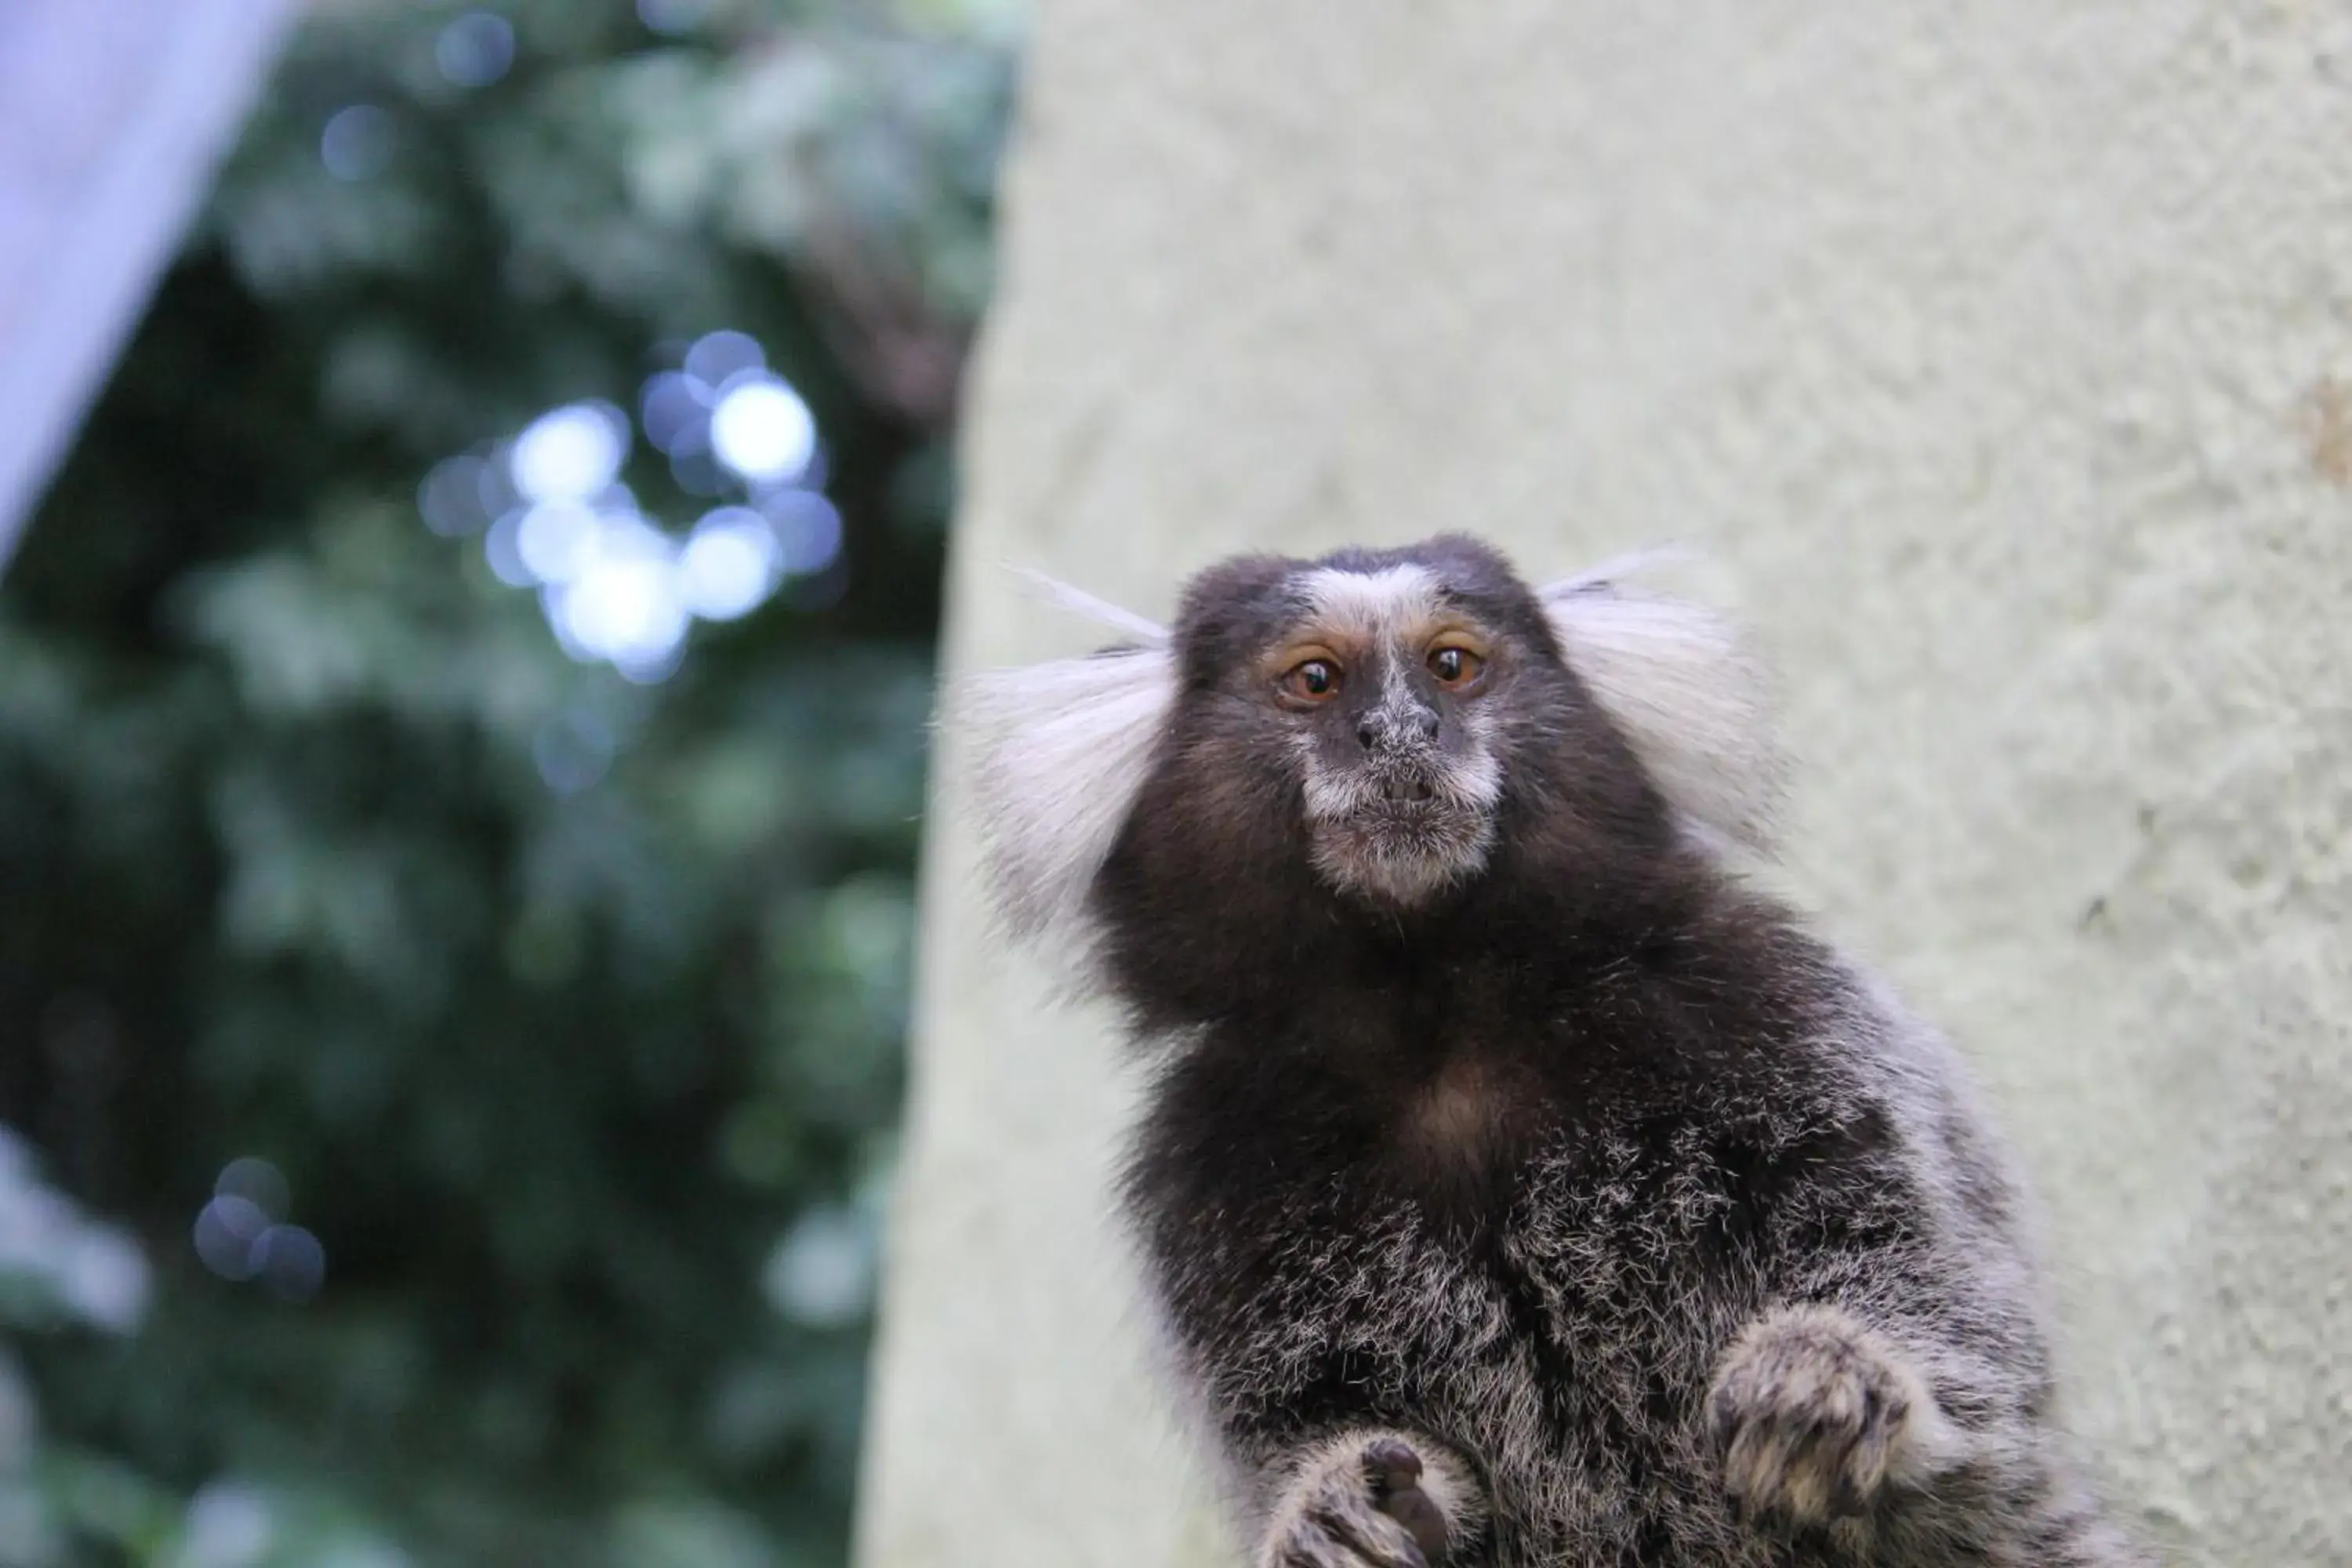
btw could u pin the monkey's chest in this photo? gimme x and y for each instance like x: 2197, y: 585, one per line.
x: 1463, y: 1269
x: 1469, y: 1117
x: 1468, y: 1248
x: 1563, y: 1340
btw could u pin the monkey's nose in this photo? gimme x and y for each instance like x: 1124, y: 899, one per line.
x: 1389, y: 728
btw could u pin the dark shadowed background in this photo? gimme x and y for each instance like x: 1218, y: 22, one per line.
x: 461, y: 749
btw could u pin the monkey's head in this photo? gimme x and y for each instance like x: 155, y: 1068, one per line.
x: 1365, y: 736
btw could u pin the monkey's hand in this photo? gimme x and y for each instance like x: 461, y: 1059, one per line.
x: 1371, y: 1499
x: 1815, y: 1417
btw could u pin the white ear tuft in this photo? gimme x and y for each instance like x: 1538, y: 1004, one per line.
x: 1078, y: 602
x: 1693, y: 702
x: 1056, y: 754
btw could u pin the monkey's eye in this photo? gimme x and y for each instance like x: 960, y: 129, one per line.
x: 1313, y: 681
x: 1455, y: 666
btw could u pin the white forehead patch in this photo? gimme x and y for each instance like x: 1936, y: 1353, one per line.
x: 1372, y: 607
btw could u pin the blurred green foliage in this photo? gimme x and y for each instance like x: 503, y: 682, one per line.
x: 586, y: 1088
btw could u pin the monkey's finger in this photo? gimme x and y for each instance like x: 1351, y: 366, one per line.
x: 1417, y: 1512
x: 1376, y: 1540
x: 1391, y: 1466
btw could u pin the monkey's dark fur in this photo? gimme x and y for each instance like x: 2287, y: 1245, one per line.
x: 1580, y: 1209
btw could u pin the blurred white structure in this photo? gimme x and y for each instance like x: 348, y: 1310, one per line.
x: 2001, y: 354
x: 112, y: 115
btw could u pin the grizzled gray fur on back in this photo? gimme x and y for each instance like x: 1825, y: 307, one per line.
x: 1516, y: 1185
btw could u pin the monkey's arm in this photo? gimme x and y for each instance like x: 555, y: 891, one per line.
x: 1824, y: 1418
x: 1901, y: 1380
x: 1371, y: 1497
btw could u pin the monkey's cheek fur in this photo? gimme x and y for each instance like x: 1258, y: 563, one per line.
x: 1403, y: 857
x: 1816, y: 1416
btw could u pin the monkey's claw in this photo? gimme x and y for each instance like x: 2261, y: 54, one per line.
x: 1814, y: 1415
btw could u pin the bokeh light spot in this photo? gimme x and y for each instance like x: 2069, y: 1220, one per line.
x: 356, y: 143
x: 226, y: 1231
x: 228, y: 1525
x: 569, y: 453
x: 624, y: 607
x: 502, y: 548
x: 822, y: 1273
x: 762, y: 430
x: 676, y: 413
x: 717, y: 358
x: 258, y: 1181
x: 475, y: 49
x: 450, y: 499
x: 557, y: 539
x: 105, y: 1279
x: 808, y: 529
x: 290, y: 1260
x: 730, y: 564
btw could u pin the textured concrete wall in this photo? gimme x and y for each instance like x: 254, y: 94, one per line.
x: 2002, y: 354
x: 112, y: 114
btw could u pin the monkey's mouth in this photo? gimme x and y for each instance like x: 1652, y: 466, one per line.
x: 1402, y: 786
x: 1398, y: 829
x: 1405, y: 790
x: 1402, y: 837
x: 1401, y: 850
x: 1419, y: 823
x: 1404, y: 809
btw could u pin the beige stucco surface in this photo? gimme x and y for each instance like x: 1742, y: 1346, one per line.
x: 2002, y: 357
x: 112, y: 114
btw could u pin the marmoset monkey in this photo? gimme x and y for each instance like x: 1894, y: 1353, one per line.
x: 1516, y: 1185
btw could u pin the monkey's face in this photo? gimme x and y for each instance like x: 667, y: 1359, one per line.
x: 1381, y: 686
x: 1391, y: 696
